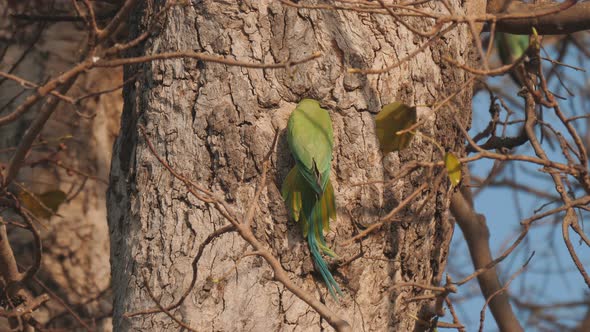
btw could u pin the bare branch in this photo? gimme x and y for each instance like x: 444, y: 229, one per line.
x: 571, y: 17
x: 501, y: 291
x: 8, y: 267
x: 477, y: 235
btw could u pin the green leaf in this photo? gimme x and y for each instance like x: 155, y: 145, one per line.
x: 42, y: 205
x: 453, y: 166
x: 535, y: 41
x: 393, y: 118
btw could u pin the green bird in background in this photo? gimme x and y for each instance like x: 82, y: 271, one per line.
x: 511, y: 48
x: 307, y: 190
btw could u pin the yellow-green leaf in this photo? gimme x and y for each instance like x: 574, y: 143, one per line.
x: 42, y: 205
x: 393, y: 118
x: 453, y: 166
x: 534, y: 40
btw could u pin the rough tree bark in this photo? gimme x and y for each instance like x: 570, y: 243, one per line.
x: 215, y: 123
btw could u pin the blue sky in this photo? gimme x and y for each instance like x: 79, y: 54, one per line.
x: 505, y: 208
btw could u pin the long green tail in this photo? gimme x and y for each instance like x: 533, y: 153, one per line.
x: 314, y: 215
x: 317, y: 242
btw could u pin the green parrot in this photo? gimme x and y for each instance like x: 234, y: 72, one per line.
x: 307, y: 190
x: 511, y: 48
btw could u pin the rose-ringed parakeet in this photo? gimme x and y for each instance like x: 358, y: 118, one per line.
x: 307, y: 190
x: 510, y: 49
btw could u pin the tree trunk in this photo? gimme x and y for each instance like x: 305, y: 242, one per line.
x: 74, y: 264
x: 215, y: 123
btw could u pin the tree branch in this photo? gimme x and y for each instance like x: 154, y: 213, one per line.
x: 8, y: 267
x: 570, y: 19
x: 477, y: 235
